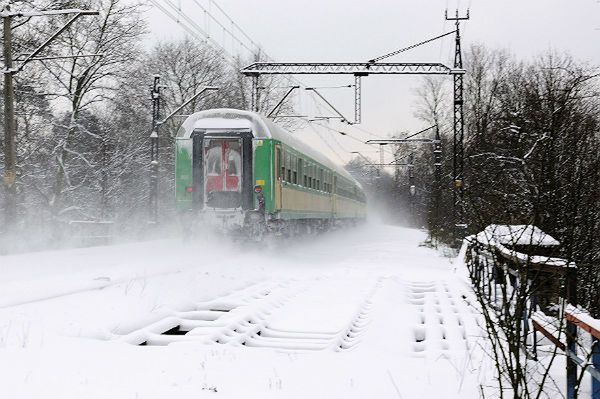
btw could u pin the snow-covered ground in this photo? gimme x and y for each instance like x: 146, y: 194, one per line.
x: 356, y: 314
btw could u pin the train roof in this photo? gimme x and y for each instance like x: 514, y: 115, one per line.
x: 261, y: 127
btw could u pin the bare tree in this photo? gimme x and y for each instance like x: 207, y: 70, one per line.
x: 83, y: 83
x: 433, y: 100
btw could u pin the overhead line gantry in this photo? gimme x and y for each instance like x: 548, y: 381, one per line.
x: 374, y: 67
x: 357, y: 69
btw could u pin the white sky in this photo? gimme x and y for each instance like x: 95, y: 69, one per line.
x: 354, y: 31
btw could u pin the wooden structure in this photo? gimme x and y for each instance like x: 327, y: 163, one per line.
x: 524, y: 255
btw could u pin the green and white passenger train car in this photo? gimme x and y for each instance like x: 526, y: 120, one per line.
x: 240, y: 170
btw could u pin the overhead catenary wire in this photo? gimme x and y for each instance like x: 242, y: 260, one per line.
x: 234, y: 24
x: 320, y: 107
x: 197, y: 31
x: 349, y: 136
x: 193, y: 30
x: 203, y: 32
x: 393, y: 53
x: 225, y: 29
x: 327, y: 143
x: 333, y: 137
x: 312, y: 96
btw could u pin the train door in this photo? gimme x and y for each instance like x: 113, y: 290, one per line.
x: 278, y: 176
x: 222, y: 172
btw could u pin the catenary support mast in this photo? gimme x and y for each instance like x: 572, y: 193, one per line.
x: 459, y: 130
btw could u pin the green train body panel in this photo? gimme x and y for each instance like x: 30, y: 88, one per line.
x: 183, y: 172
x: 263, y: 171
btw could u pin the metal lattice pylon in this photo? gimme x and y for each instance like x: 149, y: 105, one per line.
x: 459, y: 126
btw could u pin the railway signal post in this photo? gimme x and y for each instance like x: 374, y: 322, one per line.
x: 156, y: 124
x: 153, y: 197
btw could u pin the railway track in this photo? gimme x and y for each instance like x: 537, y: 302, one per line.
x: 299, y: 316
x: 268, y: 315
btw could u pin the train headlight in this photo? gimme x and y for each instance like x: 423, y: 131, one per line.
x: 189, y: 189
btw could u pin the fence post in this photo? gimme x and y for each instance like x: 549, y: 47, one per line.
x: 596, y: 364
x: 533, y: 309
x: 526, y: 315
x: 571, y: 286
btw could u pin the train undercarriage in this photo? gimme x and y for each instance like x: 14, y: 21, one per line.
x: 255, y: 225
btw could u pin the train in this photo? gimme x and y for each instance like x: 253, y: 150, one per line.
x: 239, y: 171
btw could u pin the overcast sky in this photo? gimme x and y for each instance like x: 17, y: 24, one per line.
x: 355, y: 31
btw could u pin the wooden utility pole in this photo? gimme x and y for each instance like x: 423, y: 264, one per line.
x: 10, y: 171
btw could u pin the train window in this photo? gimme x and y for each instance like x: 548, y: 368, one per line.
x: 234, y: 159
x: 213, y: 159
x: 299, y: 173
x: 288, y: 166
x: 232, y: 165
x: 320, y: 180
x: 282, y: 164
x: 295, y: 169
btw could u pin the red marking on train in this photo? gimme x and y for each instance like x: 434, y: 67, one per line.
x: 223, y: 165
